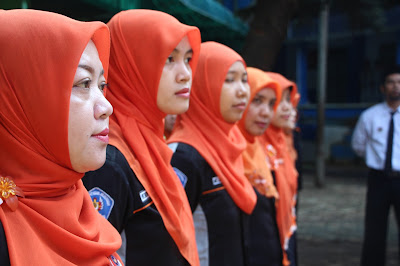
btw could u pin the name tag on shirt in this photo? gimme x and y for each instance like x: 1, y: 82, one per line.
x: 216, y: 181
x: 143, y: 195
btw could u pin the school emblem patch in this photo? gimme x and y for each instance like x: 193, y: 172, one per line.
x: 182, y: 177
x: 102, y: 202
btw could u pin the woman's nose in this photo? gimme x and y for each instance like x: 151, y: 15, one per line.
x: 103, y: 108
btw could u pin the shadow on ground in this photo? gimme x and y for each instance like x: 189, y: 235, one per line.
x: 331, y: 219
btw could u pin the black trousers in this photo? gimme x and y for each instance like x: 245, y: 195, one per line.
x: 292, y: 250
x: 382, y: 193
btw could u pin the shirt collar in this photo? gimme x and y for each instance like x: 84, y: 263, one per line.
x: 389, y: 109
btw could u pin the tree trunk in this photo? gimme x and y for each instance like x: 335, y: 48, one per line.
x: 267, y: 32
x: 322, y: 67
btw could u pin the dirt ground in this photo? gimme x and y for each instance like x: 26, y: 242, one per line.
x: 330, y: 220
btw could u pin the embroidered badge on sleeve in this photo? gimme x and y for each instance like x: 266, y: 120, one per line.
x: 114, y: 261
x: 182, y: 177
x: 102, y: 202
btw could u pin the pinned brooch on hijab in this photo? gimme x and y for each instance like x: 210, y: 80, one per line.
x: 9, y: 192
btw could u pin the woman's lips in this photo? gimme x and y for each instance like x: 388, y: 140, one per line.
x: 103, y: 135
x: 184, y: 93
x: 261, y: 125
x: 240, y: 106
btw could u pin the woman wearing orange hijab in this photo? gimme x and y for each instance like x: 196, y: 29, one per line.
x: 53, y: 128
x: 274, y: 142
x: 208, y: 147
x: 153, y: 57
x: 292, y: 134
x: 290, y: 127
x: 264, y: 247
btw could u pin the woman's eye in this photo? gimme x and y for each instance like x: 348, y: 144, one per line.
x: 87, y: 84
x: 102, y: 87
x: 229, y: 80
x: 256, y: 100
x: 188, y: 59
x: 84, y: 84
x: 170, y: 59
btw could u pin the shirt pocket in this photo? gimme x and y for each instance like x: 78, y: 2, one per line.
x: 379, y: 133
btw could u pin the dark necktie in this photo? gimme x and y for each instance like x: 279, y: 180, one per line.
x: 388, y: 159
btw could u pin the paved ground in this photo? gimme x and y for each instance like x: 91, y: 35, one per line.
x: 330, y: 222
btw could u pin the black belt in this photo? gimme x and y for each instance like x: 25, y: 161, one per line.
x: 388, y: 174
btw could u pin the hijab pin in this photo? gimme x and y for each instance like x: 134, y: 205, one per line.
x: 9, y: 192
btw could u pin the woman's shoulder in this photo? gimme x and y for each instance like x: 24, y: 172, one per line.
x: 115, y: 157
x: 113, y: 188
x: 115, y: 166
x: 189, y: 161
x: 186, y: 151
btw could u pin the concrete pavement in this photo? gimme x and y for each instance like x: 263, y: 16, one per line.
x: 331, y: 219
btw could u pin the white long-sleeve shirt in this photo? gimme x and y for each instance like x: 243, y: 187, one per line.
x: 370, y: 135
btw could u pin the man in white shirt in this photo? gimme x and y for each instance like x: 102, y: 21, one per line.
x: 376, y: 137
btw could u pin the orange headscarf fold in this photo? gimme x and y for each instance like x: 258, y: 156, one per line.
x: 286, y: 84
x: 142, y: 40
x: 296, y: 99
x: 286, y: 173
x: 256, y: 165
x: 203, y: 127
x: 55, y: 222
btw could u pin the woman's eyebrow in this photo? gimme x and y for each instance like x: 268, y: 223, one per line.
x: 259, y: 96
x: 91, y: 69
x: 187, y: 52
x: 88, y: 68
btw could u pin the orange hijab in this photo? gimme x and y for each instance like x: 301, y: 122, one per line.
x: 294, y: 99
x: 256, y: 166
x: 285, y: 84
x: 142, y: 40
x: 55, y: 223
x: 203, y: 127
x: 286, y: 174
